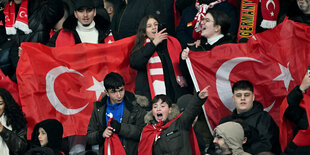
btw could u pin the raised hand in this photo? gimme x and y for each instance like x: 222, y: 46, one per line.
x: 160, y: 36
x: 204, y: 93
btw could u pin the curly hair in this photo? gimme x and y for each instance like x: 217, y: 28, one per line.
x: 14, y: 114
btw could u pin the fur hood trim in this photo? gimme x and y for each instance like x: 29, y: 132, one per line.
x: 149, y: 118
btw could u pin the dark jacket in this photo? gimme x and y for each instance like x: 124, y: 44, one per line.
x: 139, y: 60
x: 125, y: 22
x: 267, y: 138
x: 175, y: 138
x: 131, y: 126
x: 42, y: 16
x: 298, y: 116
x: 15, y: 140
x: 102, y: 24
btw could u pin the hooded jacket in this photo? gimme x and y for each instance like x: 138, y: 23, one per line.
x: 131, y: 126
x: 54, y: 131
x: 102, y: 24
x: 233, y: 135
x: 175, y: 138
x: 267, y: 138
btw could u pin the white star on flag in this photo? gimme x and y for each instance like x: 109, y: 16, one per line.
x: 285, y: 76
x: 97, y: 87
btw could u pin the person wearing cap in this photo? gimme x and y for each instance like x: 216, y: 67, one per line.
x: 46, y: 136
x: 228, y: 139
x: 84, y: 26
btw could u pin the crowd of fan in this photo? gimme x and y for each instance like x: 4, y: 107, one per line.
x: 163, y: 43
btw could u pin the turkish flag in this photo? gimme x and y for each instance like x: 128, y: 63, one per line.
x: 275, y: 61
x: 63, y: 82
x: 9, y: 85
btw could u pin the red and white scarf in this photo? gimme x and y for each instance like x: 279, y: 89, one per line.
x: 270, y: 10
x: 155, y: 70
x: 21, y: 21
x: 202, y: 11
x: 151, y: 133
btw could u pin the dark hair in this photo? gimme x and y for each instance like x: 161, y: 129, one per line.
x: 242, y: 85
x: 113, y: 81
x: 141, y: 33
x: 163, y: 98
x: 222, y: 19
x: 13, y: 112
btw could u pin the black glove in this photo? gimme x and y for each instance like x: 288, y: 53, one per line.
x: 116, y: 126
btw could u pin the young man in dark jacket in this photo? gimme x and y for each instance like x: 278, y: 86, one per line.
x: 266, y: 137
x: 84, y: 26
x: 127, y: 113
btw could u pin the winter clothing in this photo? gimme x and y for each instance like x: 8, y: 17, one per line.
x: 125, y: 22
x: 139, y: 60
x: 233, y: 135
x: 42, y: 16
x: 54, y: 131
x: 303, y: 18
x: 102, y: 24
x: 185, y: 30
x: 131, y: 125
x: 175, y: 138
x: 15, y: 141
x: 298, y: 116
x: 267, y: 129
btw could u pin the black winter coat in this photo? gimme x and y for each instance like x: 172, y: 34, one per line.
x: 298, y: 115
x: 42, y: 16
x: 125, y: 22
x: 174, y: 140
x: 102, y: 24
x: 15, y: 140
x: 131, y: 126
x: 267, y: 138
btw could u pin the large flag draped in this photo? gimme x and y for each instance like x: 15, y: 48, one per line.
x: 63, y: 82
x: 275, y: 61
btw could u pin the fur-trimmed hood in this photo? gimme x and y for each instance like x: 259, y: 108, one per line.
x: 149, y: 118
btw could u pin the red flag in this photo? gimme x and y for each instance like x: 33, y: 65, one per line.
x: 113, y: 145
x: 9, y: 85
x: 274, y: 61
x: 63, y: 82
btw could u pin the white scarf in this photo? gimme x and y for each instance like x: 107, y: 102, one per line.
x: 4, y: 150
